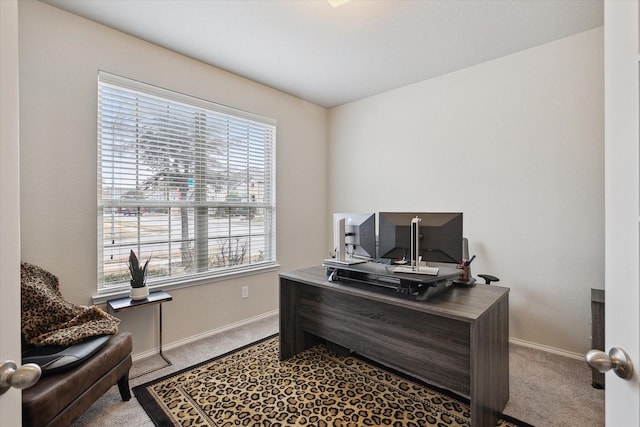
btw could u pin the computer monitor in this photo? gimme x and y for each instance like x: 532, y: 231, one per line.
x: 439, y: 236
x: 358, y: 238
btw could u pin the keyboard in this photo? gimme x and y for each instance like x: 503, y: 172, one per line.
x: 345, y: 262
x: 431, y: 271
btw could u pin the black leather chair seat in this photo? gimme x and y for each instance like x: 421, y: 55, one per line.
x: 58, y: 399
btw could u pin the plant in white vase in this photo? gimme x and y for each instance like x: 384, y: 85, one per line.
x: 139, y: 289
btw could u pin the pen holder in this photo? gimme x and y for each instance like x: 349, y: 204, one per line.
x: 465, y: 274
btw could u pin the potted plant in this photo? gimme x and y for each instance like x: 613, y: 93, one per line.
x: 139, y: 289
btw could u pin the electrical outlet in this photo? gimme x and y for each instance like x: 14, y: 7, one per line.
x: 245, y: 292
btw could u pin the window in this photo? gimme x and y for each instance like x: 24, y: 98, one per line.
x: 183, y: 181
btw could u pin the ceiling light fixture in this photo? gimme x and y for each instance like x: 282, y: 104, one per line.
x: 336, y: 3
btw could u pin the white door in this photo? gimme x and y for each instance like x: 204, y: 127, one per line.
x: 622, y: 205
x: 10, y: 402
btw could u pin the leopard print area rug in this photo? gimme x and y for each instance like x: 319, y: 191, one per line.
x: 252, y: 387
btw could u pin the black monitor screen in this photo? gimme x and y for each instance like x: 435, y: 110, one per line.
x: 440, y: 236
x: 360, y: 233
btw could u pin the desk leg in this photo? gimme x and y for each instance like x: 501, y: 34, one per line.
x: 292, y: 337
x: 490, y: 365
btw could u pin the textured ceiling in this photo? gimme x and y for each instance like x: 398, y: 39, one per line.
x: 333, y: 56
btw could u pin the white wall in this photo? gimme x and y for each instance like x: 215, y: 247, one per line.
x: 517, y: 145
x: 60, y: 55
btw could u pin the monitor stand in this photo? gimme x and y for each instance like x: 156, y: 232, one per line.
x: 341, y: 257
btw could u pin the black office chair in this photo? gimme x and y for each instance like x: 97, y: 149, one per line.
x: 465, y: 251
x: 488, y: 278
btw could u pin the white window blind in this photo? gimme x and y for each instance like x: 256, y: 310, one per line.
x: 184, y: 181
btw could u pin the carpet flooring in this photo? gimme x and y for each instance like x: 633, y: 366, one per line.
x: 251, y: 386
x: 546, y: 389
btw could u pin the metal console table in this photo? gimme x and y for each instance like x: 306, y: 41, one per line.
x: 126, y: 303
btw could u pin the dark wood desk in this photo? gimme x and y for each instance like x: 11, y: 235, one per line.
x: 458, y: 341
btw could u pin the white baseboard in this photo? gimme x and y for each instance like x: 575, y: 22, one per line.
x: 548, y: 349
x: 203, y: 335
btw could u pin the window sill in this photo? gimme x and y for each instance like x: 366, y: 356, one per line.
x: 177, y: 284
